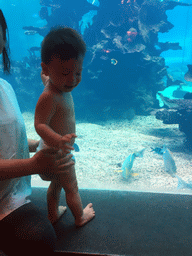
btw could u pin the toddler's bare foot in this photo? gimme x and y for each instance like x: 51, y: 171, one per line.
x: 88, y: 214
x: 53, y: 217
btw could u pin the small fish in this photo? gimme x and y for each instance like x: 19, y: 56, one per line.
x: 188, y: 75
x: 169, y: 162
x: 104, y: 57
x: 76, y: 147
x: 30, y: 32
x: 182, y: 184
x: 157, y: 150
x: 94, y: 2
x: 128, y: 164
x: 168, y: 102
x: 35, y: 49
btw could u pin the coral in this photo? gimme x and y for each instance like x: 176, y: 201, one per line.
x: 123, y: 68
x: 87, y: 20
x: 169, y: 116
x: 183, y: 117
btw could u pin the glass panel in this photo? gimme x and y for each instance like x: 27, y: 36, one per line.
x: 133, y: 123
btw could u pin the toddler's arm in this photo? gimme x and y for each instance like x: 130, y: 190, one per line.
x: 45, y: 109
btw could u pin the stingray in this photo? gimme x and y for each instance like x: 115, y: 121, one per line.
x: 176, y: 103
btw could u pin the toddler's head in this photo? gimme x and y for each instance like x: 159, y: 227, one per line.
x: 62, y: 55
x: 63, y: 43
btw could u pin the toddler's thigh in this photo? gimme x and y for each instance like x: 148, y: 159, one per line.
x: 68, y: 179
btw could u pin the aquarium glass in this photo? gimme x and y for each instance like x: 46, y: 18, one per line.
x: 133, y: 106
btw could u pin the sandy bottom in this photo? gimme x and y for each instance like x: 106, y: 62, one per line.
x: 104, y: 146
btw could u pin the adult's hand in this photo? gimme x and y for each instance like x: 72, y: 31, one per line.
x: 52, y: 161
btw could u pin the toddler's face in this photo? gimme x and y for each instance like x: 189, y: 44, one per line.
x: 64, y: 75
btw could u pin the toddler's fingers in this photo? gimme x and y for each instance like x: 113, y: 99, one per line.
x: 67, y: 147
x: 65, y: 151
x: 64, y: 144
x: 74, y: 135
x: 68, y: 157
x: 70, y: 136
x: 70, y: 147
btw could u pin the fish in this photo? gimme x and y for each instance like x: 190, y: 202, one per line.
x: 157, y: 150
x: 128, y: 164
x: 30, y: 32
x: 169, y: 163
x: 182, y: 184
x: 176, y: 103
x: 168, y: 102
x: 94, y: 2
x: 76, y: 147
x: 170, y: 168
x: 104, y: 57
x: 188, y: 75
x: 35, y: 49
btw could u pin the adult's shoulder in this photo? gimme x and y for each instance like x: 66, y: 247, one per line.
x: 4, y: 83
x: 6, y: 86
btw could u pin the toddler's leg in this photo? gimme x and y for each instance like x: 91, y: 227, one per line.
x: 69, y: 183
x: 53, y: 195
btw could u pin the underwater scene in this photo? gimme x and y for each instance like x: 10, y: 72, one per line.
x: 133, y: 106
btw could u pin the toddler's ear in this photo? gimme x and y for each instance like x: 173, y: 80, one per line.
x: 45, y: 69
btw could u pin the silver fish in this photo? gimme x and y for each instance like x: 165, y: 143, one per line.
x: 157, y: 150
x: 30, y: 32
x: 169, y: 162
x: 183, y: 184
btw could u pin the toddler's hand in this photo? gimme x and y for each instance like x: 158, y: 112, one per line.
x: 65, y: 141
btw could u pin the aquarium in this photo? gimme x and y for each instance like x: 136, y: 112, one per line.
x: 133, y: 106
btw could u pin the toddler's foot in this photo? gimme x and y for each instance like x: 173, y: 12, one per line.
x: 88, y: 214
x: 55, y: 217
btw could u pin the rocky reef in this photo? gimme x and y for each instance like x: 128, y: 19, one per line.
x: 179, y: 112
x: 123, y: 69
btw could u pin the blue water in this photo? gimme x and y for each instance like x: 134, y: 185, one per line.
x: 18, y: 14
x: 181, y: 18
x: 119, y: 81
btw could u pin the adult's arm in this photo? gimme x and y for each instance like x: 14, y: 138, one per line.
x: 14, y: 168
x: 45, y: 161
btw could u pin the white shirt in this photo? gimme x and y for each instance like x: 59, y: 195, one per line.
x: 13, y: 144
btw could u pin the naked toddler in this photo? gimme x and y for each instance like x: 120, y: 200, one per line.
x: 62, y: 55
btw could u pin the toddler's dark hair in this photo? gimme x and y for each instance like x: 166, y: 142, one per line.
x: 64, y: 43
